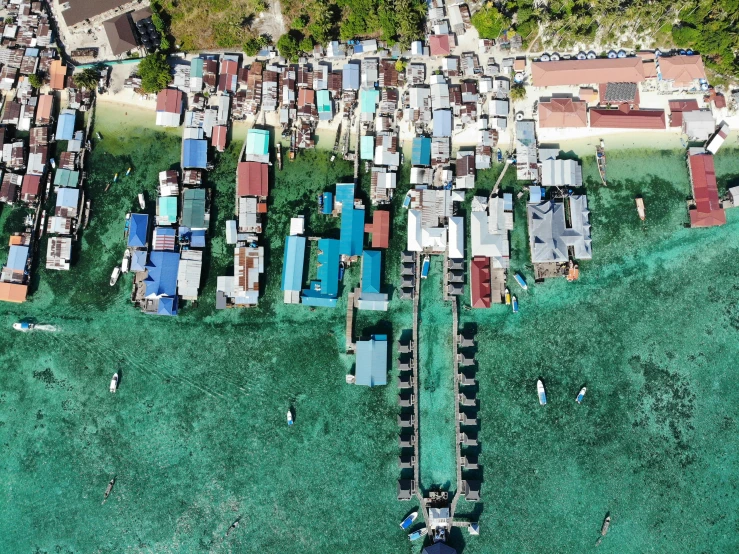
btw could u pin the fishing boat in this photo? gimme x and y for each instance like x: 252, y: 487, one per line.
x: 128, y: 171
x: 541, y: 392
x: 604, y: 529
x: 425, y: 267
x: 88, y: 204
x: 407, y: 522
x: 114, y: 383
x: 600, y: 153
x: 142, y: 201
x: 99, y: 136
x: 507, y: 297
x: 290, y: 417
x: 126, y: 263
x: 52, y: 163
x: 418, y: 534
x: 42, y: 227
x: 581, y: 395
x: 115, y: 177
x: 514, y: 302
x: 23, y: 326
x: 114, y: 276
x: 109, y: 489
x: 640, y: 208
x: 521, y: 282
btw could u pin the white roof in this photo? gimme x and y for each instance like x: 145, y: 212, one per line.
x: 434, y: 238
x: 231, y: 233
x: 456, y: 237
x: 486, y: 243
x: 414, y: 231
x: 561, y: 173
x: 499, y: 107
x: 297, y: 225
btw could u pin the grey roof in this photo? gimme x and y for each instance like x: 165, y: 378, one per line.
x: 620, y: 92
x: 442, y: 123
x: 471, y: 490
x: 350, y: 77
x: 698, y: 125
x: 79, y: 10
x: 549, y: 237
x: 406, y: 488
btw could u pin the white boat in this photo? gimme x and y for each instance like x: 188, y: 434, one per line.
x: 114, y: 276
x: 507, y: 297
x: 114, y: 383
x: 418, y: 534
x: 142, y: 201
x: 541, y: 392
x: 99, y: 136
x: 581, y: 395
x: 290, y: 417
x: 407, y: 522
x: 52, y: 162
x: 126, y: 263
x: 23, y: 326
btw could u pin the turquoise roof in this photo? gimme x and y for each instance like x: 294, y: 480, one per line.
x: 323, y: 101
x: 368, y: 100
x: 368, y: 147
x: 257, y: 142
x: 371, y: 266
x: 352, y: 231
x: 196, y: 68
x: 421, y: 154
x: 345, y: 194
x: 372, y: 361
x: 168, y: 208
x: 293, y: 263
x: 66, y: 178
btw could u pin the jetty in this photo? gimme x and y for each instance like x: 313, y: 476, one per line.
x: 455, y: 363
x: 350, y: 346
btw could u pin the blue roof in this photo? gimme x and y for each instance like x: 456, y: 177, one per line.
x: 196, y: 153
x: 67, y: 197
x: 421, y: 154
x: 352, y: 231
x: 162, y: 278
x: 328, y: 203
x: 138, y: 260
x: 350, y: 77
x: 65, y: 125
x: 293, y: 263
x: 138, y: 231
x: 328, y: 271
x: 197, y: 238
x: 345, y: 194
x: 371, y: 266
x: 167, y: 306
x: 310, y: 297
x: 372, y: 361
x: 442, y: 123
x: 17, y: 258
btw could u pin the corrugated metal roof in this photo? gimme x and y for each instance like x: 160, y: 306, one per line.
x: 196, y: 153
x: 65, y: 125
x: 421, y: 154
x: 328, y: 271
x: 352, y: 231
x: 167, y: 210
x: 293, y: 263
x: 372, y: 361
x: 371, y: 271
x: 368, y: 100
x: 367, y: 147
x: 193, y: 208
x: 345, y: 194
x: 17, y: 257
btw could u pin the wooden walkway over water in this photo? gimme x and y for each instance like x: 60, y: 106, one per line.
x: 350, y: 323
x: 455, y: 367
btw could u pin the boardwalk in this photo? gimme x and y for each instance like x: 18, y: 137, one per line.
x: 500, y: 178
x: 350, y: 323
x: 416, y: 470
x: 455, y: 339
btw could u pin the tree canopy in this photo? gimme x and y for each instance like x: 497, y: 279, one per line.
x: 155, y: 73
x: 87, y: 78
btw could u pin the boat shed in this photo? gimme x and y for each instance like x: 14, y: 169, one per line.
x: 421, y: 153
x: 138, y: 231
x: 257, y: 146
x: 372, y: 364
x: 195, y: 153
x: 352, y: 231
x: 292, y: 268
x: 65, y: 125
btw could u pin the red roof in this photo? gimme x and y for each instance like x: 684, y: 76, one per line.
x: 439, y: 45
x: 708, y: 210
x: 624, y: 118
x: 218, y: 140
x: 380, y: 229
x: 480, y: 282
x: 31, y: 187
x: 677, y: 107
x: 585, y: 72
x: 252, y: 179
x: 306, y: 96
x: 563, y: 112
x: 169, y: 100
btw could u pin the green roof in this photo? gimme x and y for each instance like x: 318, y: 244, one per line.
x: 257, y: 142
x: 66, y: 178
x: 193, y: 209
x: 196, y: 68
x: 324, y: 101
x: 368, y: 147
x: 368, y: 100
x: 168, y: 208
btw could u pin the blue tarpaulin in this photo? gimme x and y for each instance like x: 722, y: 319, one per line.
x: 372, y: 361
x: 138, y: 231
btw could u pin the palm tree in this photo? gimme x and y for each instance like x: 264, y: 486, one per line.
x: 87, y: 79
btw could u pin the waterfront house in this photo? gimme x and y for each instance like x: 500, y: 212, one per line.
x: 9, y: 187
x: 563, y: 113
x: 138, y: 231
x: 218, y: 137
x: 551, y: 238
x: 465, y: 170
x: 241, y: 289
x: 170, y: 106
x: 698, y: 124
x: 195, y: 154
x: 66, y: 178
x: 252, y: 179
x: 370, y: 297
x: 59, y: 253
x: 189, y: 273
x: 379, y: 228
x: 159, y: 286
x: 626, y: 118
x: 15, y: 273
x: 166, y: 210
x: 293, y: 266
x: 707, y: 210
x: 561, y: 173
x: 324, y: 291
x: 66, y: 211
x: 257, y: 146
x: 383, y: 183
x: 194, y: 213
x: 372, y: 361
x: 527, y: 167
x: 65, y: 125
x: 489, y: 232
x: 351, y: 237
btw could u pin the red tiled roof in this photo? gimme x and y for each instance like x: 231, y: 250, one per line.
x: 45, y: 106
x: 58, y: 74
x: 169, y: 100
x: 584, y: 72
x: 682, y: 69
x: 440, y: 45
x: 563, y: 112
x: 719, y: 100
x: 380, y: 229
x: 708, y: 211
x: 627, y: 119
x: 306, y: 96
x: 218, y: 139
x: 480, y: 282
x: 31, y: 187
x: 252, y: 179
x: 677, y: 107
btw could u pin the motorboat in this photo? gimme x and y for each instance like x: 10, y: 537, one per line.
x: 407, y: 522
x: 581, y: 395
x: 290, y: 417
x: 99, y: 136
x: 418, y: 534
x: 507, y: 297
x: 425, y: 267
x: 604, y: 528
x: 114, y: 276
x: 514, y: 303
x: 109, y: 489
x: 126, y: 263
x: 128, y: 171
x: 541, y: 392
x: 52, y: 163
x: 114, y: 383
x: 521, y: 282
x: 142, y: 201
x: 23, y: 326
x: 600, y: 153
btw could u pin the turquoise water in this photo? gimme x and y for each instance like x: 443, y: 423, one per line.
x: 196, y: 434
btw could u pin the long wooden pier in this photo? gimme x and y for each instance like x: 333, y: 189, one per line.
x: 350, y: 323
x: 455, y: 364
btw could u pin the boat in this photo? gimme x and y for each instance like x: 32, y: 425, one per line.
x: 126, y: 263
x: 115, y: 177
x: 87, y: 213
x: 425, y: 267
x: 52, y: 163
x: 342, y: 270
x: 109, y: 489
x: 23, y: 326
x: 128, y: 171
x: 521, y: 282
x: 114, y: 276
x: 500, y: 156
x: 640, y: 208
x: 507, y: 297
x: 114, y: 383
x: 234, y: 525
x: 407, y: 522
x: 581, y: 395
x: 514, y: 302
x: 604, y: 528
x: 541, y: 392
x: 600, y: 153
x: 278, y: 149
x: 320, y: 202
x: 42, y: 227
x: 418, y: 534
x: 407, y: 200
x: 290, y: 417
x: 99, y: 136
x: 142, y: 201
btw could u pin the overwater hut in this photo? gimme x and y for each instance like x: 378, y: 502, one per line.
x: 325, y: 290
x: 405, y: 364
x: 405, y: 420
x: 406, y: 401
x: 293, y: 267
x: 65, y: 125
x: 157, y: 292
x: 406, y: 462
x: 456, y: 276
x: 407, y: 257
x: 465, y: 361
x: 405, y: 347
x: 467, y: 420
x: 406, y: 489
x: 440, y: 547
x: 465, y: 439
x: 408, y: 269
x: 406, y: 294
x: 372, y: 358
x: 406, y: 441
x: 455, y: 289
x: 455, y: 265
x: 405, y: 382
x: 370, y: 297
x: 466, y: 381
x: 469, y: 462
x: 471, y: 490
x: 408, y: 282
x: 465, y: 342
x: 468, y: 399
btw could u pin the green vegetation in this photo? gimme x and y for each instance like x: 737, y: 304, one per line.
x: 155, y: 73
x: 87, y: 78
x: 253, y: 45
x: 489, y: 22
x: 35, y: 80
x: 518, y: 92
x: 288, y: 46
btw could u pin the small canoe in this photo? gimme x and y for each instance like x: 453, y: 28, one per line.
x: 114, y: 276
x: 521, y: 282
x: 581, y: 395
x: 115, y: 177
x: 128, y: 171
x: 407, y: 522
x: 114, y: 383
x: 541, y: 392
x: 142, y: 201
x: 507, y: 297
x: 418, y: 534
x: 109, y: 489
x: 640, y: 209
